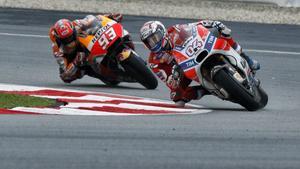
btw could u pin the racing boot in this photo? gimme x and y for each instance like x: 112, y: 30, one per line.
x: 191, y: 93
x: 253, y: 64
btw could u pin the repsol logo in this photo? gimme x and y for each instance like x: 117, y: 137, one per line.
x: 99, y: 33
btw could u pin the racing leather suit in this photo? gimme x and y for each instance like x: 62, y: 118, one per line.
x: 165, y: 67
x: 70, y: 59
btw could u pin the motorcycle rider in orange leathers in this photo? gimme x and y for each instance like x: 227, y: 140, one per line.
x: 69, y: 53
x: 160, y: 41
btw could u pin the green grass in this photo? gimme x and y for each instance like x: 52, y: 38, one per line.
x: 9, y: 101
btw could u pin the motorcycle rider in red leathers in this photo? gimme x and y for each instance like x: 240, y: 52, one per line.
x: 160, y: 41
x: 69, y: 53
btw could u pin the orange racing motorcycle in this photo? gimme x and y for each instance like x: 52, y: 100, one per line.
x: 211, y: 62
x: 107, y: 41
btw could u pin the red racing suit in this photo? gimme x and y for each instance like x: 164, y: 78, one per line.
x: 69, y: 58
x: 164, y: 65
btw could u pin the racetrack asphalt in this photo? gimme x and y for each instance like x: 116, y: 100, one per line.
x: 228, y: 137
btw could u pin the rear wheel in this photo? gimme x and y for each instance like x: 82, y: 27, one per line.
x: 238, y: 93
x: 137, y: 69
x: 92, y: 73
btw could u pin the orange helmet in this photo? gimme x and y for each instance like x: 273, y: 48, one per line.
x: 64, y: 31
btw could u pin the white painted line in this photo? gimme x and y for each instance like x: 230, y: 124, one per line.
x: 68, y: 111
x: 271, y: 51
x: 140, y: 43
x: 23, y: 35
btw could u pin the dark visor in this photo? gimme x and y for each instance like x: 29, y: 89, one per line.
x: 68, y: 40
x: 153, y: 39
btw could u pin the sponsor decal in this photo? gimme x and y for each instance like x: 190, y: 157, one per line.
x: 65, y: 32
x: 194, y: 32
x: 179, y: 48
x: 162, y: 75
x: 188, y: 64
x: 99, y: 33
x: 153, y: 66
x: 210, y: 40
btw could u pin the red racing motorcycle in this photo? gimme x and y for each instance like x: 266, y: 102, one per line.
x: 107, y: 42
x: 213, y: 63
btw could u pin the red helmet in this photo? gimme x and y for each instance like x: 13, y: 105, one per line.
x: 65, y: 31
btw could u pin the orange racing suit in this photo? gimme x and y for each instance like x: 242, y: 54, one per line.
x: 70, y: 58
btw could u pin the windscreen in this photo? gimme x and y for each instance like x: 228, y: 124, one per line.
x: 184, y: 32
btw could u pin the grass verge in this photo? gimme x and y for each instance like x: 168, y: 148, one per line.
x: 8, y: 101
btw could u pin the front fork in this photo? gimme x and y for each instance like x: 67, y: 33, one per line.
x: 125, y: 54
x: 242, y: 76
x: 128, y: 52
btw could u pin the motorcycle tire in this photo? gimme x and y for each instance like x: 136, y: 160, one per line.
x: 92, y: 73
x: 111, y: 83
x: 239, y: 93
x: 139, y: 71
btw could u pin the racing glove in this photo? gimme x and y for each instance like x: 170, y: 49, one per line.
x: 115, y: 16
x: 80, y: 59
x: 223, y: 29
x: 173, y: 80
x: 71, y: 71
x: 70, y: 74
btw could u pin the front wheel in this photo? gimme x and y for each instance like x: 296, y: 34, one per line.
x: 238, y: 93
x: 137, y: 69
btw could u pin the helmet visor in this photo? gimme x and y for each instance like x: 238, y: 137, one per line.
x: 69, y: 48
x: 68, y: 40
x: 153, y: 40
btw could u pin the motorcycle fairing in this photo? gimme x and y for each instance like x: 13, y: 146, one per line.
x: 199, y: 48
x: 106, y: 39
x: 105, y: 36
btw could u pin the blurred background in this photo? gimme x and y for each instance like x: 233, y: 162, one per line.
x: 226, y: 138
x: 262, y: 11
